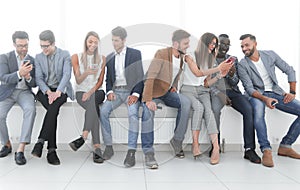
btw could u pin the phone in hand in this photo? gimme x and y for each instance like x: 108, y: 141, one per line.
x: 274, y: 103
x: 26, y: 62
x: 94, y: 66
x: 231, y: 59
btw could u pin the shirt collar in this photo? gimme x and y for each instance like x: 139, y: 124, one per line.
x: 123, y: 52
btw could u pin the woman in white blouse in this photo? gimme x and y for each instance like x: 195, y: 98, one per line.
x: 194, y: 75
x: 89, y: 70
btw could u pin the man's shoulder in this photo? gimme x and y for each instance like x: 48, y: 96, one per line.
x: 132, y: 50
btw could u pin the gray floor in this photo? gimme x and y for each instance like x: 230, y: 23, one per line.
x: 77, y: 171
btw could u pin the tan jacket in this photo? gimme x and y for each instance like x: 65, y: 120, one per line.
x: 159, y: 75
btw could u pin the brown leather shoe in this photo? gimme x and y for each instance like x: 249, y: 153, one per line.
x: 267, y: 158
x: 289, y: 152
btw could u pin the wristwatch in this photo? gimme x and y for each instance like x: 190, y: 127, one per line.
x: 292, y: 92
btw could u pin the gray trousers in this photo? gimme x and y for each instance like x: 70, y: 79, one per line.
x: 201, y: 108
x: 92, y: 113
x: 25, y: 99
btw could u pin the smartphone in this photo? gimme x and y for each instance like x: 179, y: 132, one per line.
x: 231, y: 59
x: 94, y: 66
x: 274, y: 103
x: 25, y: 61
x: 159, y: 107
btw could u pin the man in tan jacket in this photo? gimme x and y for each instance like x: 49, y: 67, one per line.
x: 162, y: 82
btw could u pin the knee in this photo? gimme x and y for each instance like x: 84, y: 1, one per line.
x: 197, y: 107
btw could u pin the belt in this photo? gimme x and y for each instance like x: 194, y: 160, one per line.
x: 120, y: 87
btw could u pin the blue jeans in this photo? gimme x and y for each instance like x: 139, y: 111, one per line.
x: 133, y: 117
x: 183, y: 104
x: 147, y: 134
x: 240, y: 103
x: 292, y: 107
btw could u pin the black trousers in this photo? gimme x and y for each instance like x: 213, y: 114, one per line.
x: 49, y: 127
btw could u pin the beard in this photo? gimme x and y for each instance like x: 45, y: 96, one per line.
x: 250, y: 53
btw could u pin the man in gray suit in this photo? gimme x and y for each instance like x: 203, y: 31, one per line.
x: 257, y: 73
x: 17, y: 77
x: 53, y: 73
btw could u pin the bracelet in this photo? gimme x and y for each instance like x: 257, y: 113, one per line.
x: 292, y: 92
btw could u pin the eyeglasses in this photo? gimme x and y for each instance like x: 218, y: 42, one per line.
x: 45, y: 46
x: 21, y: 46
x: 225, y: 45
x: 213, y: 43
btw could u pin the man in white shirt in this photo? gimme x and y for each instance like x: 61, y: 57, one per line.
x: 257, y: 73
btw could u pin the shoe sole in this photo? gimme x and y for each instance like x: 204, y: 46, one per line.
x: 255, y: 162
x: 36, y: 155
x: 153, y: 167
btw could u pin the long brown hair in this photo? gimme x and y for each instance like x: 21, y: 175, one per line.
x: 203, y: 57
x: 97, y: 59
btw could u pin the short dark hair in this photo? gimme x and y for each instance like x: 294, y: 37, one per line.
x: 19, y: 35
x: 223, y: 36
x: 119, y: 31
x: 47, y: 35
x: 178, y: 35
x: 244, y: 36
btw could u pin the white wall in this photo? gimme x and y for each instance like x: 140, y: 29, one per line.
x: 274, y: 22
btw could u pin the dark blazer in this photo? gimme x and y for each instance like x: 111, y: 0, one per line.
x: 8, y: 74
x: 134, y: 72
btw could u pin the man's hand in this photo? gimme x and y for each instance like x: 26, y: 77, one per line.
x: 111, y: 97
x: 24, y: 69
x: 132, y: 100
x: 224, y: 98
x: 173, y: 89
x: 52, y: 96
x: 288, y: 97
x: 151, y: 105
x: 232, y: 70
x: 269, y: 101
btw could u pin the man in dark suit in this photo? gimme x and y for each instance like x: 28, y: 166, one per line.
x: 124, y: 84
x: 17, y: 78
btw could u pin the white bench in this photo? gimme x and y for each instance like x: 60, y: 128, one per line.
x: 71, y: 120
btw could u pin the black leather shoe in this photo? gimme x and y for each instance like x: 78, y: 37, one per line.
x: 130, y: 159
x: 108, y: 152
x: 5, y: 151
x: 97, y: 156
x: 76, y: 144
x: 37, y: 150
x: 252, y: 156
x: 52, y: 158
x: 177, y: 146
x: 20, y: 158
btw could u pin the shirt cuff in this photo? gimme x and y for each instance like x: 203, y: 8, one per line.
x: 109, y: 92
x: 29, y: 79
x: 19, y: 76
x: 136, y: 94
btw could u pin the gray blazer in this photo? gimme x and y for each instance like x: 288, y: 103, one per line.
x: 251, y: 78
x: 63, y: 69
x: 8, y: 74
